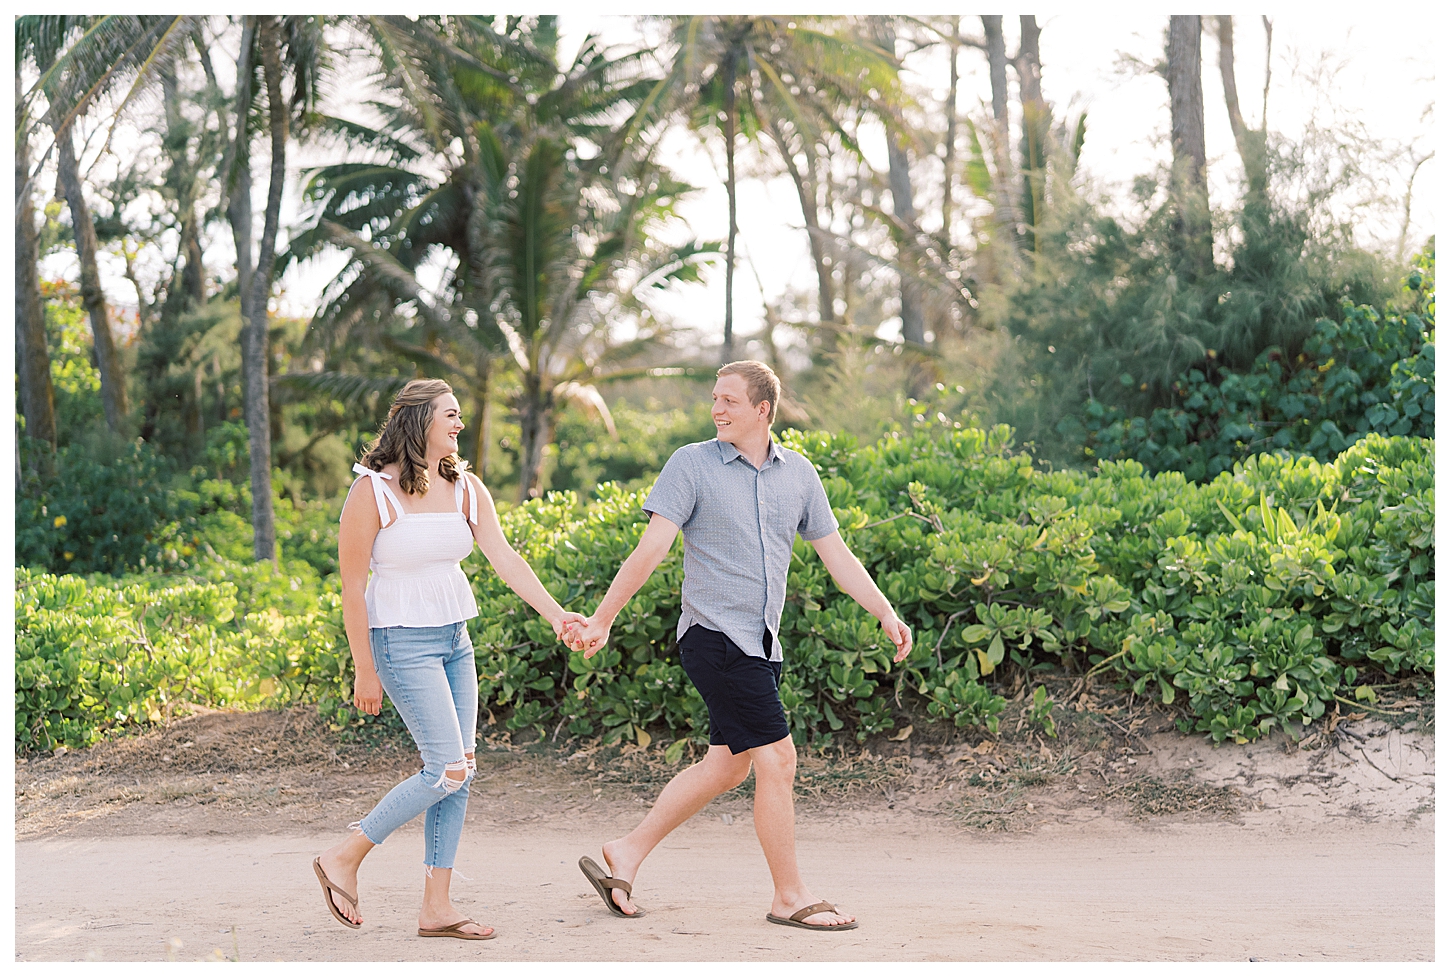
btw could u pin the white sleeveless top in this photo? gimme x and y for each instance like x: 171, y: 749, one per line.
x: 416, y: 581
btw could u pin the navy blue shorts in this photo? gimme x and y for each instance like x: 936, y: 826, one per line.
x: 742, y: 692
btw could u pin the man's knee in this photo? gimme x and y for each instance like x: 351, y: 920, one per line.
x: 728, y: 769
x: 775, y: 760
x: 737, y: 773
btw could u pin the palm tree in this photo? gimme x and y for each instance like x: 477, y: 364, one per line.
x: 32, y: 359
x: 114, y: 49
x: 82, y: 59
x: 537, y: 229
x: 783, y: 76
x: 272, y: 33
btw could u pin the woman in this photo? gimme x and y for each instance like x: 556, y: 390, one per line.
x: 406, y: 629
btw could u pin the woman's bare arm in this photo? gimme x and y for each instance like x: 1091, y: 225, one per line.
x: 355, y: 536
x: 513, y: 569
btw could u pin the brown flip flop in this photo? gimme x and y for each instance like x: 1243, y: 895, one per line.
x: 328, y: 889
x: 603, y: 883
x: 456, y: 931
x: 800, y: 914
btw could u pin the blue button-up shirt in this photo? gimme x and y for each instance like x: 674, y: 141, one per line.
x: 739, y: 524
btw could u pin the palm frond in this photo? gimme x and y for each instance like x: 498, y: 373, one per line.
x: 586, y: 397
x: 350, y: 388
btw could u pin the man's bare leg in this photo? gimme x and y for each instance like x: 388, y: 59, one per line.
x: 775, y: 827
x: 683, y: 797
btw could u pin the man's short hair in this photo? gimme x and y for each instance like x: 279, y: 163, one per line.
x: 761, y: 383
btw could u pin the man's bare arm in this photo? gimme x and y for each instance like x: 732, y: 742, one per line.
x: 658, y: 537
x: 855, y: 582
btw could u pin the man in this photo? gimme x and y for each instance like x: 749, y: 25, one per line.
x: 740, y: 501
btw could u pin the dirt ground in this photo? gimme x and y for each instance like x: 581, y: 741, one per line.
x: 1121, y: 839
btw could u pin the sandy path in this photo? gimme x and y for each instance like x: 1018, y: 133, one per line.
x: 924, y: 889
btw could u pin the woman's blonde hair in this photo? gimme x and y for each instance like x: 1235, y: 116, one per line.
x: 404, y: 438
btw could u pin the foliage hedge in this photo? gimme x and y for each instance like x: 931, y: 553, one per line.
x: 118, y: 507
x: 1371, y: 372
x: 1251, y: 603
x: 98, y: 654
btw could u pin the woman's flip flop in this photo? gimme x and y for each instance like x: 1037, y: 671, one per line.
x: 603, y: 883
x: 456, y: 931
x: 328, y: 889
x: 800, y: 914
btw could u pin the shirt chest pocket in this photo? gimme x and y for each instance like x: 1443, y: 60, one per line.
x: 780, y: 512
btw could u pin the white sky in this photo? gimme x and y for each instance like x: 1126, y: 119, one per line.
x: 1385, y: 81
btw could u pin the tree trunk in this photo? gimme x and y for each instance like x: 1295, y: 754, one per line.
x: 481, y: 438
x: 806, y: 191
x: 1190, y: 158
x: 181, y: 177
x: 32, y: 358
x: 1005, y: 204
x: 108, y: 360
x: 913, y: 327
x: 1250, y: 142
x: 1036, y: 120
x: 255, y: 345
x: 1230, y: 85
x: 727, y: 351
x: 949, y: 156
x: 237, y: 173
x: 1268, y: 70
x: 143, y: 306
x: 536, y: 424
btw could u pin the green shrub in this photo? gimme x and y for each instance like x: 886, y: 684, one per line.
x: 106, y: 508
x: 109, y: 507
x: 106, y: 654
x: 1371, y: 372
x: 584, y: 455
x: 1250, y: 602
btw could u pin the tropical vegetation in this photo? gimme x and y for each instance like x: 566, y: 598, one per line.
x: 1177, y: 441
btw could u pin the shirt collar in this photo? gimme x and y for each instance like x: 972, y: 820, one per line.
x: 728, y: 452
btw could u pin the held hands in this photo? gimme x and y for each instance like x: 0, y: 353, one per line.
x: 566, y: 624
x: 899, y: 634
x: 588, y: 635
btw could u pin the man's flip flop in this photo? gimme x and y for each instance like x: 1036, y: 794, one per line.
x: 456, y: 931
x: 603, y: 883
x: 797, y: 916
x: 328, y: 889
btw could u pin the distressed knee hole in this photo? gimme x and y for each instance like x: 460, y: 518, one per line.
x: 454, y: 776
x: 468, y: 758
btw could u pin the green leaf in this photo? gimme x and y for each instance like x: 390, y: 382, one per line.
x: 975, y: 633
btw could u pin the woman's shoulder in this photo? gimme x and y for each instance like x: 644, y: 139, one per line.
x: 474, y: 482
x: 363, y: 470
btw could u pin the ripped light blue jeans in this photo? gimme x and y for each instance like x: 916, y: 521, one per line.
x: 430, y: 676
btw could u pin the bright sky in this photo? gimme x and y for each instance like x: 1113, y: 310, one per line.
x: 1357, y: 67
x: 1127, y: 126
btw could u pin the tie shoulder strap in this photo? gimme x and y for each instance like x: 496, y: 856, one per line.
x: 464, y: 487
x: 381, y: 495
